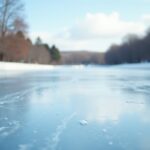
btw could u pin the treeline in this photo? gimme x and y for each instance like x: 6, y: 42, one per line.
x: 134, y: 49
x: 42, y: 53
x: 81, y: 57
x: 15, y: 46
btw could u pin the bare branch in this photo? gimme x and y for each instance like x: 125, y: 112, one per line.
x: 9, y: 11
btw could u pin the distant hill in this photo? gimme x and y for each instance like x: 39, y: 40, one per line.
x: 81, y: 57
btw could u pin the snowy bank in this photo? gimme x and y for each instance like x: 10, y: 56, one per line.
x: 7, y: 66
x: 8, y: 69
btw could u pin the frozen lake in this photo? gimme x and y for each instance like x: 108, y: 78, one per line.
x: 76, y: 108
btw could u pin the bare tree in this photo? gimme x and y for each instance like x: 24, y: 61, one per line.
x: 19, y: 24
x: 10, y: 10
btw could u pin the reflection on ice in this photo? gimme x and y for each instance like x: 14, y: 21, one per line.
x: 11, y: 128
x: 25, y: 147
x: 2, y: 129
x: 104, y: 130
x: 110, y: 143
x: 111, y: 108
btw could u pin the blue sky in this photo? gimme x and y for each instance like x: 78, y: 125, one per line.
x: 86, y: 24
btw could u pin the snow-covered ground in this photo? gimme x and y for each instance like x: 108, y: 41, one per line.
x: 12, y: 69
x: 8, y: 66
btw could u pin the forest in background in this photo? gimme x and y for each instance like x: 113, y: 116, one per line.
x: 16, y: 46
x: 133, y: 49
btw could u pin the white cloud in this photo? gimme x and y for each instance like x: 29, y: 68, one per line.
x: 102, y: 25
x: 96, y: 31
x: 146, y: 19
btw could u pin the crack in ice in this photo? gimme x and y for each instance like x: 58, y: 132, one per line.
x: 53, y: 143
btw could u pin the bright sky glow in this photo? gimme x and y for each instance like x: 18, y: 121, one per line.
x: 86, y: 25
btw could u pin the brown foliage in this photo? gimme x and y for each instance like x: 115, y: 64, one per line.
x: 39, y: 54
x: 15, y: 47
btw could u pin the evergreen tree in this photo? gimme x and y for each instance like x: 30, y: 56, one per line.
x: 55, y: 54
x: 38, y: 41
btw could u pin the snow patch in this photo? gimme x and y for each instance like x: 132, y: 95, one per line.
x: 12, y: 69
x: 22, y: 66
x: 83, y: 122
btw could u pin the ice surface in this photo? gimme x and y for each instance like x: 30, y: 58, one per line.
x: 35, y: 131
x: 54, y: 141
x: 10, y: 129
x: 110, y: 143
x: 104, y: 130
x: 2, y: 129
x: 24, y: 147
x: 37, y: 108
